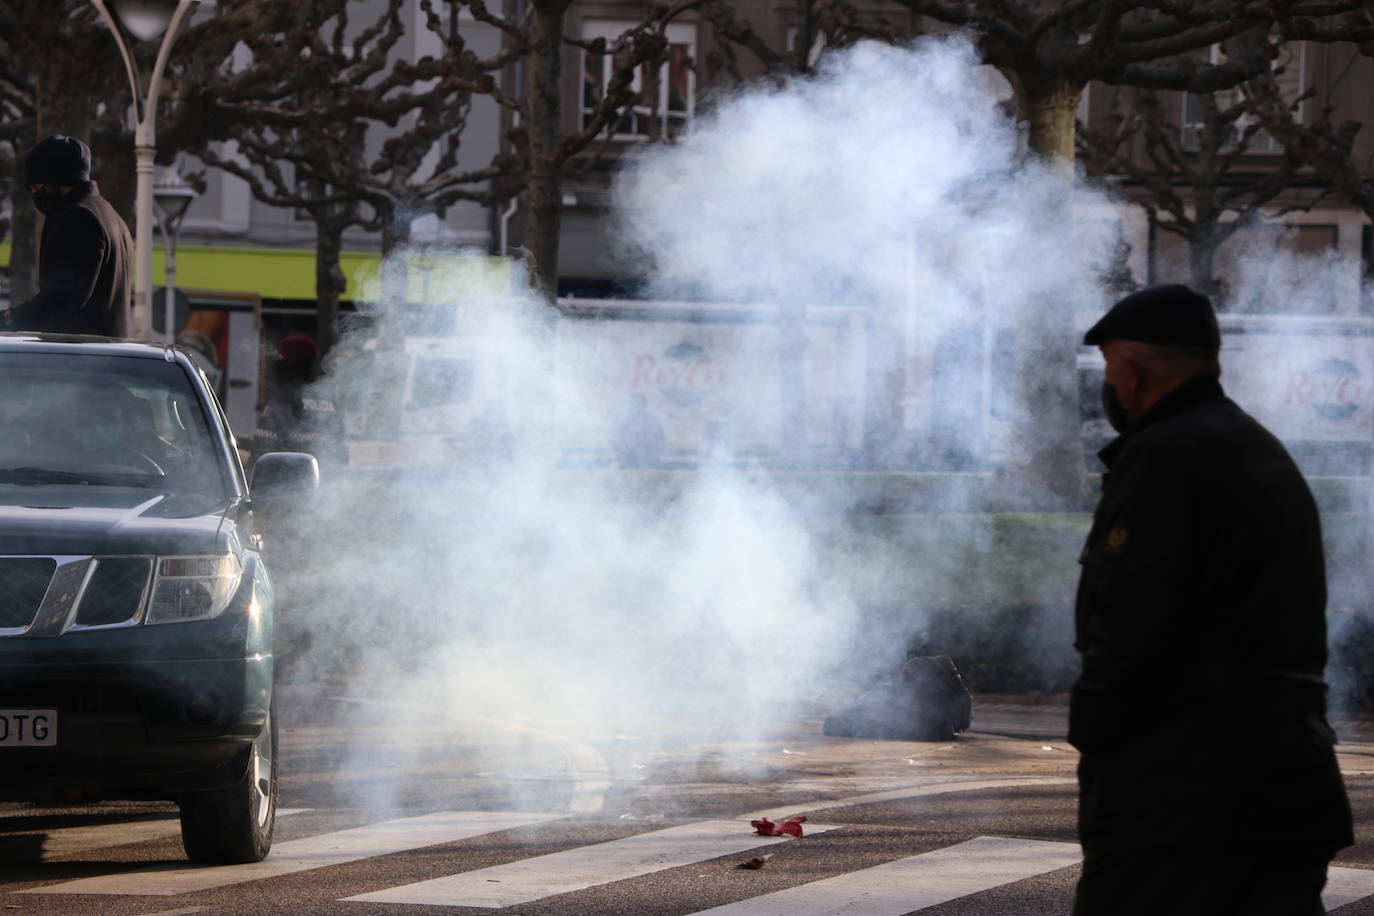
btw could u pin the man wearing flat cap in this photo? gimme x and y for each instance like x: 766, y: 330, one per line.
x: 1208, y: 779
x: 84, y: 254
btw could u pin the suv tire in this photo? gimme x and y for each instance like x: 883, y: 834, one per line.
x: 234, y: 825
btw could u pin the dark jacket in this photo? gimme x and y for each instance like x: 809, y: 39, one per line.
x: 84, y: 270
x: 300, y: 417
x: 1201, y: 622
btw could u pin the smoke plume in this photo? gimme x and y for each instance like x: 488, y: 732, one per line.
x: 858, y: 245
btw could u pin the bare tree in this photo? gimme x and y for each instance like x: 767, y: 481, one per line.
x: 1325, y: 146
x: 296, y: 118
x: 1204, y: 191
x: 1050, y: 51
x: 320, y: 148
x: 545, y: 150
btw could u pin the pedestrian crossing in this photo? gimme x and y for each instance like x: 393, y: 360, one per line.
x: 915, y: 882
x: 293, y: 856
x: 583, y: 867
x: 907, y: 884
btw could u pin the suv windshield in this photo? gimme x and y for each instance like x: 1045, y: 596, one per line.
x: 103, y: 421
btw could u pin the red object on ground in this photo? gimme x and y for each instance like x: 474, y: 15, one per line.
x: 789, y: 827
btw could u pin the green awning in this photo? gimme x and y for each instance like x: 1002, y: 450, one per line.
x: 290, y: 273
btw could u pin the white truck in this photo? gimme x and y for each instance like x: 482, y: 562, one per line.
x: 709, y: 377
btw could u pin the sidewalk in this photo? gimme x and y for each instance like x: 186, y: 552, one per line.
x: 1047, y: 716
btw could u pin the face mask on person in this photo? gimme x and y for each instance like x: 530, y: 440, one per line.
x: 45, y: 199
x: 1116, y: 411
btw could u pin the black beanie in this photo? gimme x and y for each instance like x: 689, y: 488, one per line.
x: 58, y: 160
x: 1166, y: 315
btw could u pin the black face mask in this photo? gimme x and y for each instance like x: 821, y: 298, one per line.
x: 1116, y: 411
x: 44, y: 200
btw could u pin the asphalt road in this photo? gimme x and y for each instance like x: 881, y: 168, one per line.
x: 490, y: 817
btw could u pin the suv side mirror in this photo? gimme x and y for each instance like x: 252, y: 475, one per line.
x: 283, y: 477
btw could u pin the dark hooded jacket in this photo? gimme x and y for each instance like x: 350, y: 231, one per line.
x: 1201, y: 709
x: 84, y: 269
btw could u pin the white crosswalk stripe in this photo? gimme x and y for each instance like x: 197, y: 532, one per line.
x: 583, y: 867
x: 915, y: 882
x: 1346, y: 885
x: 302, y: 855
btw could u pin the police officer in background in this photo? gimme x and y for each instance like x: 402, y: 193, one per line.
x: 84, y: 260
x: 298, y: 417
x: 1208, y: 779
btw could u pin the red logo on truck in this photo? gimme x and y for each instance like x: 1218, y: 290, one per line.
x: 1333, y: 388
x: 684, y: 374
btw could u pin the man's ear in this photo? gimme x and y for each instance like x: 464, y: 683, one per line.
x: 1130, y: 376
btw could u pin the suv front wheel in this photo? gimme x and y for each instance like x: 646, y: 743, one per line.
x: 234, y: 825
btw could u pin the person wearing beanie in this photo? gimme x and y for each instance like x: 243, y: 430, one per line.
x: 1200, y: 618
x: 84, y: 256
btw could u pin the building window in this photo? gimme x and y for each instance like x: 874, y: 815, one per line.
x: 666, y: 91
x: 1287, y: 66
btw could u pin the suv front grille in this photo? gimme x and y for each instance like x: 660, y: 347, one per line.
x: 115, y: 591
x: 23, y: 583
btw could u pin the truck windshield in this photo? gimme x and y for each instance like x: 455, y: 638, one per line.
x: 102, y: 420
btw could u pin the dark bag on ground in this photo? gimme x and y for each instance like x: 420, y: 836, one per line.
x: 925, y: 701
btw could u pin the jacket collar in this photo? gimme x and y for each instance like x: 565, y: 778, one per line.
x: 1185, y: 396
x: 79, y: 192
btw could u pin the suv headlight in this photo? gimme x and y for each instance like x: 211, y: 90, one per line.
x: 193, y: 588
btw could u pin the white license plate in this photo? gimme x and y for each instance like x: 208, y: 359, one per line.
x: 28, y: 727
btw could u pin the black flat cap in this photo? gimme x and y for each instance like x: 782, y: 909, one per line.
x: 58, y: 160
x: 1171, y: 315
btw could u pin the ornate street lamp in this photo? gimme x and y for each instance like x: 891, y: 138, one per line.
x: 173, y: 196
x: 144, y: 20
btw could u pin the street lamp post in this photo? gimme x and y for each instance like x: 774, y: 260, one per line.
x: 173, y: 196
x: 144, y: 20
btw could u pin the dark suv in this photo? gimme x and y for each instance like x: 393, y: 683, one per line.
x: 136, y: 615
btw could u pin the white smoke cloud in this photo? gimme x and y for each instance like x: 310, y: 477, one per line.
x: 826, y: 189
x: 534, y: 590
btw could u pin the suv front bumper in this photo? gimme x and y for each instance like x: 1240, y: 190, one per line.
x: 149, y: 729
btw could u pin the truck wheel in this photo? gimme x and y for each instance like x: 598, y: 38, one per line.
x: 234, y: 825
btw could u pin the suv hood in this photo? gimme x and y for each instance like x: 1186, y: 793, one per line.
x: 161, y: 524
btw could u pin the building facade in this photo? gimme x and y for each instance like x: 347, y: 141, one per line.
x: 228, y: 237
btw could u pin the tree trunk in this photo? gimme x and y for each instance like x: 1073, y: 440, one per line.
x: 330, y: 282
x: 395, y: 265
x: 1049, y: 107
x: 389, y: 359
x: 544, y: 122
x: 1202, y: 250
x: 1045, y: 467
x: 1205, y: 234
